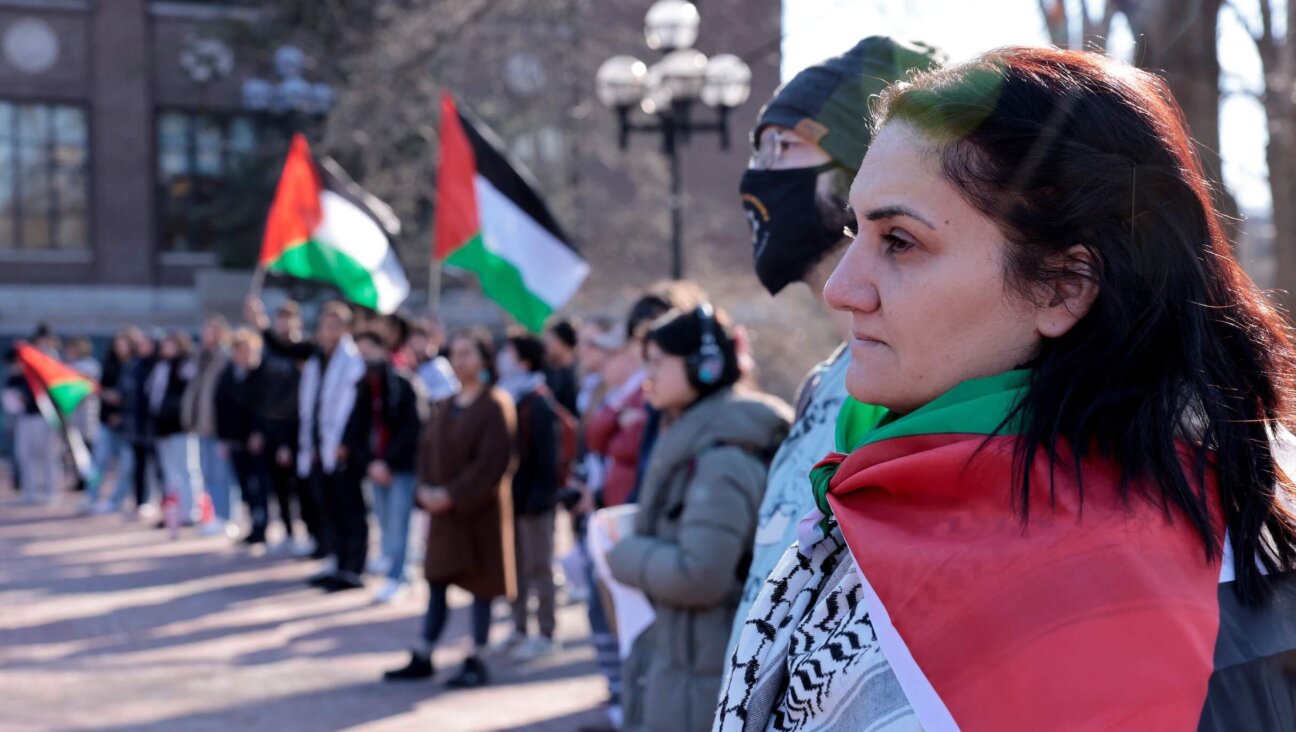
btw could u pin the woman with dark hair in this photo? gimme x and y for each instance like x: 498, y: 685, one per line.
x: 113, y: 449
x: 1066, y: 509
x: 697, y: 515
x: 464, y: 483
x: 177, y: 449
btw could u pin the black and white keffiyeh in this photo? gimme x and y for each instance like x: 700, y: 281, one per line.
x: 807, y: 659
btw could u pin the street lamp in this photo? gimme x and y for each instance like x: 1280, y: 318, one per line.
x: 666, y: 92
x: 292, y: 96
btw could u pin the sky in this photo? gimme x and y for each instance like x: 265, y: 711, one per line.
x: 816, y: 29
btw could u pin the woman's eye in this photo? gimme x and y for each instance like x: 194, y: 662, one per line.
x: 896, y: 245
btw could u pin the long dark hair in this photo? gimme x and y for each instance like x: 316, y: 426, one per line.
x: 1063, y: 148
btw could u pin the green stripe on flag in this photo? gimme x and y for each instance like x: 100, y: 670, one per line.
x: 316, y: 261
x: 975, y: 407
x: 502, y: 282
x: 67, y: 395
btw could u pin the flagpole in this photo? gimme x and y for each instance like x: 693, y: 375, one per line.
x: 434, y: 287
x: 258, y: 282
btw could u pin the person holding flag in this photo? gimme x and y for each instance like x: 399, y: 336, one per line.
x: 44, y: 394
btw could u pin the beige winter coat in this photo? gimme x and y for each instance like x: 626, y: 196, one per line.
x: 690, y: 553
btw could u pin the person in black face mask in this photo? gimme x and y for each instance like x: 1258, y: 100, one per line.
x: 807, y: 145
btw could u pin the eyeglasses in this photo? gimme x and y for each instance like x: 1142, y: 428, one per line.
x: 771, y: 145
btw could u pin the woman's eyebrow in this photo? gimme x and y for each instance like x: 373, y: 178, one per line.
x: 890, y: 212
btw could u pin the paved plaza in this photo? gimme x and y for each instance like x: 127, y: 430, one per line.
x: 107, y: 625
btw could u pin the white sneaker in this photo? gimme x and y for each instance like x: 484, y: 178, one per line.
x: 534, y: 648
x: 507, y: 645
x: 303, y: 547
x: 378, y: 565
x: 328, y: 568
x: 390, y: 590
x: 215, y: 527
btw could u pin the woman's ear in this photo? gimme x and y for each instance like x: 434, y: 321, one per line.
x: 1071, y: 294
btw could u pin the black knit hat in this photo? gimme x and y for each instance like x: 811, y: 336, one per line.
x: 828, y: 104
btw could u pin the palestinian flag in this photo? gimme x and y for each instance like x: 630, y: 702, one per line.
x: 324, y: 227
x: 46, y: 375
x: 1104, y: 618
x: 490, y: 221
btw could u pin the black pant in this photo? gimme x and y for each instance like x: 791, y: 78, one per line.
x: 435, y: 619
x: 145, y: 455
x: 254, y: 480
x: 346, y: 517
x: 286, y: 488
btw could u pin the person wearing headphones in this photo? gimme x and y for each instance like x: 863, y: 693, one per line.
x: 697, y: 516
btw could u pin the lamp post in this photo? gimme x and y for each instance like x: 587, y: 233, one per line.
x: 290, y: 101
x: 292, y: 97
x: 666, y: 93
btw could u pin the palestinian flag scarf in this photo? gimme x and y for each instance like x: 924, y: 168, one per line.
x: 324, y: 227
x: 1095, y: 616
x: 491, y: 221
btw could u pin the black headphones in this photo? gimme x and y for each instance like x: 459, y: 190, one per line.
x: 707, y: 365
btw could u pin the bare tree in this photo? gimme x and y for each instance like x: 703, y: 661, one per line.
x: 1278, y: 95
x: 1177, y: 39
x: 1094, y: 29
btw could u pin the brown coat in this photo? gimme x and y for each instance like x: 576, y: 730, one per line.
x: 471, y: 455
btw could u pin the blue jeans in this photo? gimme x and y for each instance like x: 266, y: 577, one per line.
x: 112, y: 447
x: 392, y: 505
x: 216, y: 476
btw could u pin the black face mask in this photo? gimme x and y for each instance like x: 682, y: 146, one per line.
x: 788, y: 234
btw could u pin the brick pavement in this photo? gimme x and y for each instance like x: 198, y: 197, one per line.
x: 106, y: 625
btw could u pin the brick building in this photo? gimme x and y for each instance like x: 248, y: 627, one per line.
x: 126, y: 151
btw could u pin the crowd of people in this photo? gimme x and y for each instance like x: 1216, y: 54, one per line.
x: 1039, y: 315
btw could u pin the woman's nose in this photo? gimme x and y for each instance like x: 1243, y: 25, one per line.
x: 851, y: 286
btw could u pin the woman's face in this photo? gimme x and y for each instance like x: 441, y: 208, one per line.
x: 170, y: 348
x: 668, y: 388
x: 122, y: 346
x: 466, y: 360
x: 923, y: 282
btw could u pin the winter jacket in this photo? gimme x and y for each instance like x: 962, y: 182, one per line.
x: 136, y: 423
x: 469, y: 451
x: 238, y: 398
x: 281, y: 365
x: 690, y: 551
x: 198, y: 410
x: 110, y: 413
x: 565, y: 386
x: 164, y: 405
x: 403, y: 413
x: 535, y: 484
x: 618, y: 444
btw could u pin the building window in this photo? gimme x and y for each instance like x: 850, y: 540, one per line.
x: 43, y: 184
x: 204, y: 162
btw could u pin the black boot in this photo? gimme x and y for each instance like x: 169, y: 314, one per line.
x: 472, y: 675
x: 419, y: 667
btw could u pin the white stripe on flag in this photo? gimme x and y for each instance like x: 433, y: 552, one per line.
x: 550, y: 269
x: 352, y: 232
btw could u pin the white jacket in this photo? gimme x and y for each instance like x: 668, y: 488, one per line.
x: 345, y: 368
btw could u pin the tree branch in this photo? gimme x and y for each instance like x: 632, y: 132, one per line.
x: 1055, y: 19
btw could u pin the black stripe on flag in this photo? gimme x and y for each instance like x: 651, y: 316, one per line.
x: 336, y: 180
x: 1253, y: 687
x: 509, y: 175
